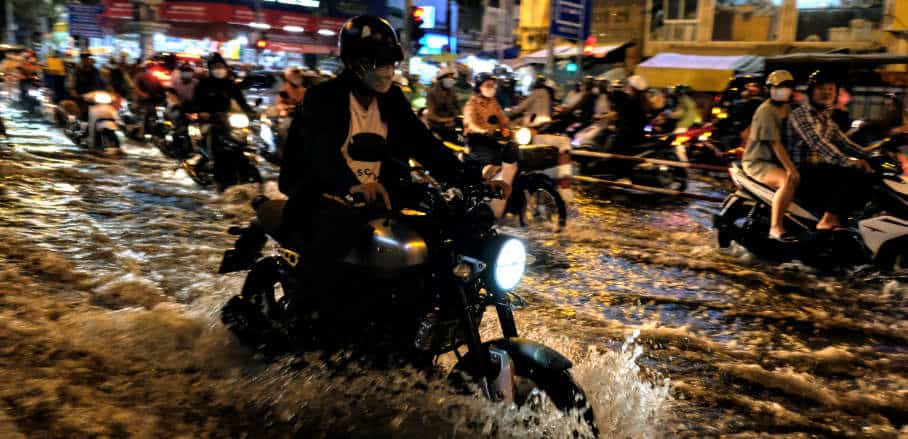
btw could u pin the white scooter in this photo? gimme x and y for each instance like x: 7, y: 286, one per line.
x: 100, y: 131
x: 882, y: 226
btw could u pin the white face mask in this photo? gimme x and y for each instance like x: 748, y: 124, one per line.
x: 219, y: 73
x: 447, y: 82
x: 780, y: 94
x: 488, y: 92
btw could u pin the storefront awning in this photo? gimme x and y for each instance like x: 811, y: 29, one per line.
x: 702, y: 73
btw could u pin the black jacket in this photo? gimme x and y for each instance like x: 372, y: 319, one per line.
x: 213, y: 95
x: 313, y: 163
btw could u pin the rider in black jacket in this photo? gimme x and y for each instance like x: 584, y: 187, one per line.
x: 317, y: 171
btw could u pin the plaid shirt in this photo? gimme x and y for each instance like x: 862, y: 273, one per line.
x: 813, y: 137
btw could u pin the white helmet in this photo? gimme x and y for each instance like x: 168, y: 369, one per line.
x: 637, y: 82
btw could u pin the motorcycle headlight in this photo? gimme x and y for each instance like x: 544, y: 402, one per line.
x: 508, y: 261
x: 194, y: 131
x: 238, y: 120
x: 524, y: 136
x: 103, y: 98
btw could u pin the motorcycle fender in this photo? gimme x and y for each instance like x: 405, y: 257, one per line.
x: 524, y: 351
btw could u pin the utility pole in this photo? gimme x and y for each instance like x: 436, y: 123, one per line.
x: 451, y: 30
x: 10, y: 23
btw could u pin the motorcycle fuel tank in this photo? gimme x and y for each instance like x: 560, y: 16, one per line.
x: 392, y: 247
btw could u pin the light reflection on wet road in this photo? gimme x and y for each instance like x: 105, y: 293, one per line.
x: 108, y: 320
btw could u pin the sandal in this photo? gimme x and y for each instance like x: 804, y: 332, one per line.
x: 785, y: 238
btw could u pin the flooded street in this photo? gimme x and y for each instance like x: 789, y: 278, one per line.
x: 109, y: 326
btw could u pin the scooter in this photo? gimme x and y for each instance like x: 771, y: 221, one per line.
x: 223, y: 140
x: 170, y: 136
x: 638, y: 171
x: 99, y: 132
x: 882, y: 226
x: 31, y: 95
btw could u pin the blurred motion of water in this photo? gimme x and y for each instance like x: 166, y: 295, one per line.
x: 110, y: 298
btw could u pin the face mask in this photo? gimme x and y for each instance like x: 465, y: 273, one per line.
x: 447, y: 82
x: 780, y: 94
x: 380, y: 79
x: 186, y: 76
x: 488, y: 92
x: 219, y: 73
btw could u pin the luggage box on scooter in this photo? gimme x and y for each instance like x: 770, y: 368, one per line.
x: 538, y: 157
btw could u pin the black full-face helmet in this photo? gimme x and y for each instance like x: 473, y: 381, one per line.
x: 367, y: 41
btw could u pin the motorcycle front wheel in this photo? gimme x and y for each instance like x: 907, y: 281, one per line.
x: 530, y: 380
x: 542, y: 206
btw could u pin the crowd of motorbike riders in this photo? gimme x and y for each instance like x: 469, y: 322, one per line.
x: 799, y: 148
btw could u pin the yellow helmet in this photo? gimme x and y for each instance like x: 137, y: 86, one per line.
x: 779, y: 78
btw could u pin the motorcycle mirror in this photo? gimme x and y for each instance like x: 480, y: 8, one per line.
x: 367, y: 147
x: 493, y: 120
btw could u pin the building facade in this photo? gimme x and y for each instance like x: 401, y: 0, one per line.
x: 768, y: 27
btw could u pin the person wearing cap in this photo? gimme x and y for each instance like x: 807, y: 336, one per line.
x: 214, y: 97
x: 293, y: 86
x: 765, y: 156
x: 441, y: 104
x: 183, y: 81
x: 832, y: 167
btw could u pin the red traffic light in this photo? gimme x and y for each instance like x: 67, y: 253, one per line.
x: 261, y: 44
x: 418, y: 12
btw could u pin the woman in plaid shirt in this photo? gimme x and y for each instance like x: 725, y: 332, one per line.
x: 833, y: 171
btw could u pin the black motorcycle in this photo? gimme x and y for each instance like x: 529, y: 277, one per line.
x: 170, y: 133
x: 647, y: 166
x: 31, y: 95
x: 227, y: 157
x: 415, y: 288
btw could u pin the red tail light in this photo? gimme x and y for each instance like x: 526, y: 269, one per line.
x: 160, y: 74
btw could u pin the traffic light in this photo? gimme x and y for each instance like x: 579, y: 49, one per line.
x: 415, y: 32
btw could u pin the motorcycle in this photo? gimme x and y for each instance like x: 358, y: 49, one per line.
x: 31, y: 95
x: 535, y: 198
x: 270, y: 133
x: 882, y: 226
x: 170, y: 136
x: 225, y: 143
x: 100, y: 130
x: 426, y: 275
x: 638, y: 171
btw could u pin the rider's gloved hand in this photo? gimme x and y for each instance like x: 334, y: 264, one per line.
x: 371, y: 192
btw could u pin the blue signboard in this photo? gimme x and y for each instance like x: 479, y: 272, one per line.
x: 84, y: 20
x: 570, y: 19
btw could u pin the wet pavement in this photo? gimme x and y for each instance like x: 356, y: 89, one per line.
x: 109, y: 302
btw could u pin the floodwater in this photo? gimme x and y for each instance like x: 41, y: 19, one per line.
x: 109, y: 302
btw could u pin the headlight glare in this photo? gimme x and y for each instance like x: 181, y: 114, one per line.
x: 238, y: 120
x: 509, y: 264
x: 524, y: 136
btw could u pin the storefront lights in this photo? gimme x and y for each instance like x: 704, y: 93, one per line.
x: 263, y: 26
x: 327, y: 32
x: 293, y: 29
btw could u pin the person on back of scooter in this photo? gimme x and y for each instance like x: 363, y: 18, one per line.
x: 149, y: 93
x: 442, y: 107
x: 832, y: 168
x: 353, y: 110
x: 482, y: 119
x: 537, y: 107
x: 184, y: 82
x: 630, y: 110
x: 214, y: 97
x: 765, y: 157
x: 685, y: 111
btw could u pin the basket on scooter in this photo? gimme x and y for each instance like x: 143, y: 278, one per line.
x: 537, y: 157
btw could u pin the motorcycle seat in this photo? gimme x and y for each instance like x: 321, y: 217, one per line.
x: 797, y: 207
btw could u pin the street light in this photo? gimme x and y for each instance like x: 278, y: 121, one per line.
x: 327, y: 32
x: 263, y: 26
x: 289, y: 28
